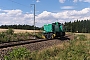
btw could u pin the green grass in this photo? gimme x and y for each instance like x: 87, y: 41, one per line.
x: 9, y: 36
x: 18, y: 54
x: 77, y: 49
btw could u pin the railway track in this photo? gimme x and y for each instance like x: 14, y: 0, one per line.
x: 32, y: 45
x: 11, y: 44
x: 17, y: 43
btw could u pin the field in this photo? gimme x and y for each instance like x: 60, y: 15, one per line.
x: 9, y: 35
x: 21, y: 31
x: 76, y: 49
x: 86, y: 34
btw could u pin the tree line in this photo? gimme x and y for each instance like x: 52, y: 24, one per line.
x: 26, y: 27
x: 80, y: 26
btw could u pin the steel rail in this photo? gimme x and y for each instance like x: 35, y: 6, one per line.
x: 11, y: 44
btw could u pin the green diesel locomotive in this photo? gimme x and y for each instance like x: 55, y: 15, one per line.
x: 53, y: 30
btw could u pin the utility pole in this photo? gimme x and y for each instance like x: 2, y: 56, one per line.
x: 34, y: 20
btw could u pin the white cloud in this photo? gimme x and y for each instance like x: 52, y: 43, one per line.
x: 67, y: 7
x: 82, y: 1
x: 37, y: 0
x: 0, y: 9
x: 17, y: 17
x: 61, y: 1
x: 75, y: 0
x: 13, y: 12
x: 87, y: 1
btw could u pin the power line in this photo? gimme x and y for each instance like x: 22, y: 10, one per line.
x: 19, y: 3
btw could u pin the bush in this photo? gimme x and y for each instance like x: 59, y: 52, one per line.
x: 39, y: 35
x: 18, y: 54
x: 10, y: 31
x: 9, y: 36
x: 81, y: 37
x: 77, y: 49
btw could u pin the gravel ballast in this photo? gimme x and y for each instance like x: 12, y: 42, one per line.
x: 33, y: 46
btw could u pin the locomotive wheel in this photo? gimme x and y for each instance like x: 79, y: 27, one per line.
x: 50, y: 36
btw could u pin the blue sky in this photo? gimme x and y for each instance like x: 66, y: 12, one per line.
x: 48, y: 5
x: 47, y: 11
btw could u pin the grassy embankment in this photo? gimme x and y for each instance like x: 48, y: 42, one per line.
x: 8, y: 35
x: 77, y: 49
